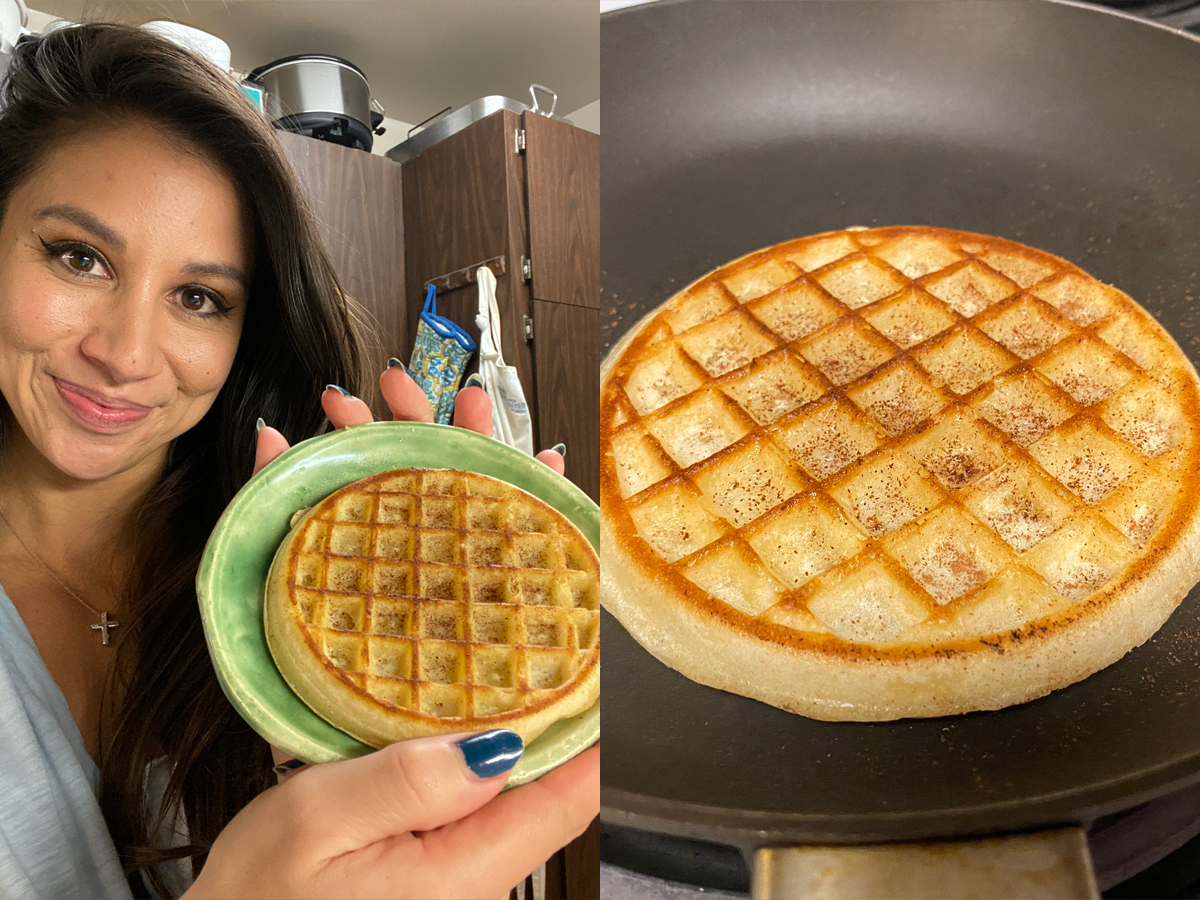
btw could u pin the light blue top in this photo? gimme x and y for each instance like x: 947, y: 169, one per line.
x: 53, y: 839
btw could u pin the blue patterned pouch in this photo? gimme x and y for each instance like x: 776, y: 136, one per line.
x: 439, y: 358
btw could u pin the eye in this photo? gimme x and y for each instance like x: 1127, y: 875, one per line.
x: 200, y: 301
x: 77, y: 258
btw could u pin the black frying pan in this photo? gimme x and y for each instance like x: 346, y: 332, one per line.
x: 733, y: 125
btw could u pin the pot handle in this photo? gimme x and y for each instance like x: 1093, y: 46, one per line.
x: 553, y: 99
x: 1047, y: 865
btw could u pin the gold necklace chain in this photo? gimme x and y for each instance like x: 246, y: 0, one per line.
x: 104, y: 625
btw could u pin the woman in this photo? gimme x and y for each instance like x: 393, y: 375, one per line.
x: 162, y: 287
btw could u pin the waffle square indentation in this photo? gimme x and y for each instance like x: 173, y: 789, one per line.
x: 827, y: 438
x: 1081, y: 300
x: 748, y: 483
x: 859, y: 282
x: 698, y: 305
x: 957, y: 451
x: 970, y: 290
x: 775, y: 386
x: 909, y: 318
x: 915, y: 255
x: 699, y: 428
x: 657, y: 381
x: 796, y: 311
x: 1025, y: 407
x: 1025, y: 328
x: 735, y: 576
x: 726, y: 343
x: 1081, y: 557
x: 1024, y: 270
x: 965, y: 359
x: 815, y: 254
x: 886, y: 493
x: 898, y: 398
x: 806, y: 538
x: 949, y: 553
x: 393, y: 580
x: 674, y: 523
x: 1018, y: 503
x: 1086, y: 460
x: 1087, y: 369
x: 391, y: 617
x: 846, y: 351
x: 867, y: 605
x: 761, y: 279
x: 1148, y: 415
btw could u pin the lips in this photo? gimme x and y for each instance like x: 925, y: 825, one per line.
x: 98, y: 412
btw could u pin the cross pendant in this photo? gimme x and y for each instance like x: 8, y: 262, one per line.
x: 103, y: 628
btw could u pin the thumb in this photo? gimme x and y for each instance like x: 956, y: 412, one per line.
x: 414, y: 785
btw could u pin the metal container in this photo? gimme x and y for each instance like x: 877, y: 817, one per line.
x: 321, y: 96
x: 466, y: 116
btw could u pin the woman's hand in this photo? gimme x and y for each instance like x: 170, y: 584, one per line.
x: 411, y: 820
x: 408, y: 403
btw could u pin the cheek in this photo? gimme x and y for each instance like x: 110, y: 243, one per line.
x: 202, y: 363
x: 36, y: 312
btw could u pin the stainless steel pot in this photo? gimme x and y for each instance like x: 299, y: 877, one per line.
x: 325, y: 97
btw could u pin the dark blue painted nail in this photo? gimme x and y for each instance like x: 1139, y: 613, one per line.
x: 473, y: 380
x: 491, y: 753
x: 393, y: 362
x: 259, y: 425
x: 560, y: 449
x: 285, y: 767
x: 340, y: 390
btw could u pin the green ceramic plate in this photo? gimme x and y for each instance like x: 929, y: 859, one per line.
x: 239, y: 553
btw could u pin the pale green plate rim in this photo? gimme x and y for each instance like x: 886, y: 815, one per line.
x: 237, y: 558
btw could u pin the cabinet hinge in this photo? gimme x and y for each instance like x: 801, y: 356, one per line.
x: 528, y: 329
x: 526, y: 268
x: 520, y: 140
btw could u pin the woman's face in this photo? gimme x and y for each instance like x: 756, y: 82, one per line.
x: 124, y: 270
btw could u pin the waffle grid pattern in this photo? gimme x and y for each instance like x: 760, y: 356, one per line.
x: 736, y: 435
x: 437, y: 592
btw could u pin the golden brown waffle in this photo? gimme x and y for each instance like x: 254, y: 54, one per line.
x: 425, y: 601
x: 897, y: 472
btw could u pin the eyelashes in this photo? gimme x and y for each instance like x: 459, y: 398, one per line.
x: 80, y: 260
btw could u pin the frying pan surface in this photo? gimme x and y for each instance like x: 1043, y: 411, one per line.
x: 734, y: 125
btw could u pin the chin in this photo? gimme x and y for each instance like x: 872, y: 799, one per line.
x: 96, y: 457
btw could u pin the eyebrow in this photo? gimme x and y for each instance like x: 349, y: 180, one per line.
x: 216, y: 270
x: 84, y: 219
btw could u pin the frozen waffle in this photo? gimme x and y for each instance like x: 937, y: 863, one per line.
x: 897, y: 472
x: 427, y: 601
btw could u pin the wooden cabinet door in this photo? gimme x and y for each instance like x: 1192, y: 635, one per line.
x: 357, y: 201
x: 562, y: 174
x: 464, y: 204
x: 566, y: 348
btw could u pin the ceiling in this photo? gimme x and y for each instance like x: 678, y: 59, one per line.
x: 419, y: 55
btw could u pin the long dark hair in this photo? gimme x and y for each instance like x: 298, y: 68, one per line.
x: 299, y: 334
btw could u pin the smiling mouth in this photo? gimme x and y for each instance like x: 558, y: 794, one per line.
x: 98, y: 413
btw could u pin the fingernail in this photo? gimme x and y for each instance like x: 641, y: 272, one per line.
x: 560, y: 449
x: 491, y: 753
x: 473, y: 380
x: 393, y: 362
x: 259, y: 425
x: 285, y: 767
x: 340, y: 390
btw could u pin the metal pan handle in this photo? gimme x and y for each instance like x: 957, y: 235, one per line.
x: 533, y: 88
x: 1048, y: 865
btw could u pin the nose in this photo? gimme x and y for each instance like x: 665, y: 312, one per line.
x: 123, y: 338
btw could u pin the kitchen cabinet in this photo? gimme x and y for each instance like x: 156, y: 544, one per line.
x: 521, y: 187
x: 356, y: 200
